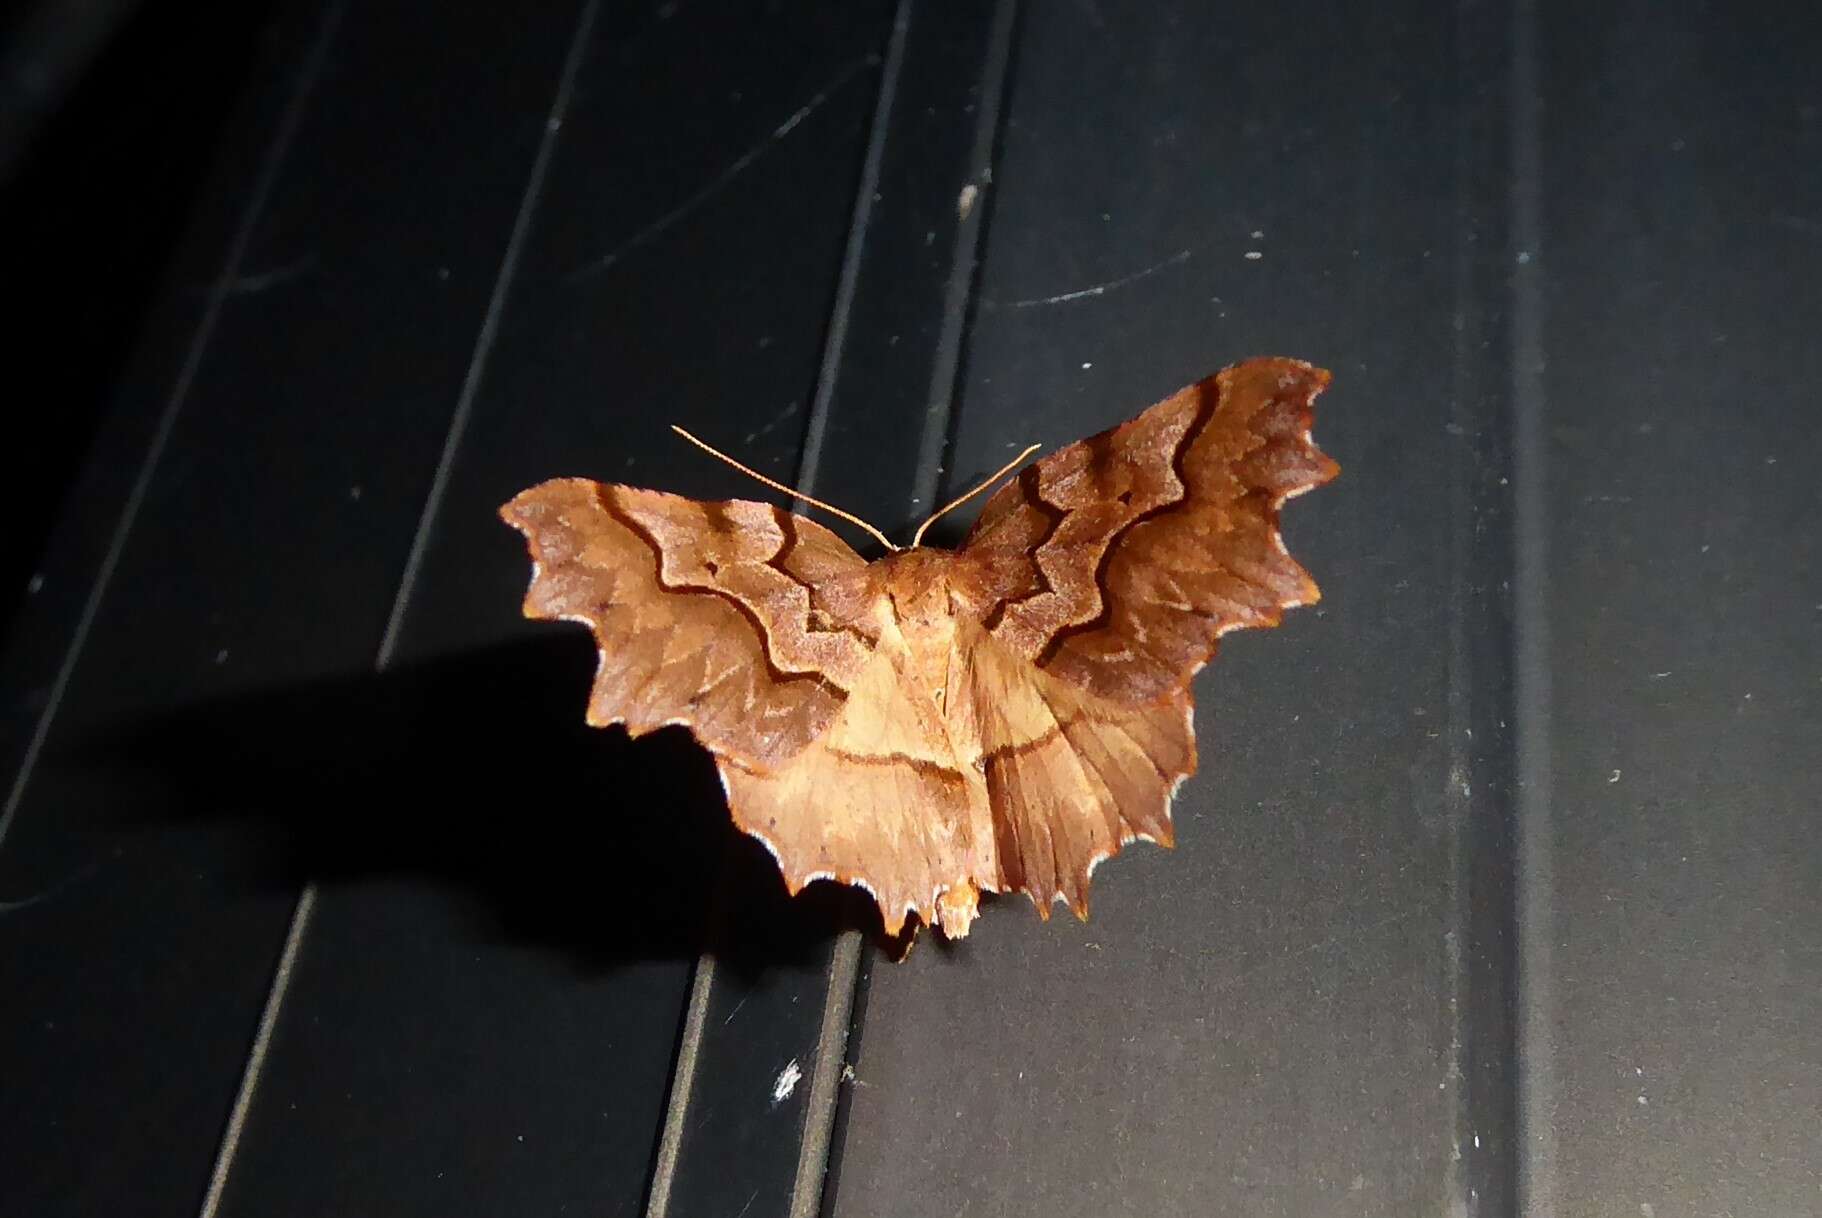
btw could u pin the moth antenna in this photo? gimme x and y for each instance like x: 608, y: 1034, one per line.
x: 830, y: 508
x: 990, y: 480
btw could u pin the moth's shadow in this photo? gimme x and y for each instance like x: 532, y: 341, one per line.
x: 476, y: 773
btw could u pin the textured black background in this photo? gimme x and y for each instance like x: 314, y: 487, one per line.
x: 1498, y: 890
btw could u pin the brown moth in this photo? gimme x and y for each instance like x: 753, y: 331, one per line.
x: 935, y: 723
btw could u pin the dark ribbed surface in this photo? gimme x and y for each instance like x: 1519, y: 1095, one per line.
x: 1494, y: 894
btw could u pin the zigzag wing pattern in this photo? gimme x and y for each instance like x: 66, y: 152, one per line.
x: 735, y: 618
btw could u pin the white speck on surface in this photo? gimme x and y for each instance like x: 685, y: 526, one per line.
x: 1613, y: 778
x: 1659, y: 676
x: 1524, y: 257
x: 1476, y: 1141
x: 787, y: 1081
x: 221, y: 657
x: 1643, y: 1101
x: 1645, y: 1210
x: 964, y: 202
x: 1258, y: 233
x: 354, y: 493
x: 1086, y: 365
x: 35, y: 584
x: 1254, y: 255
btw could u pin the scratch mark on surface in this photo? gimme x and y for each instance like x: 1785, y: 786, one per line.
x: 1097, y: 289
x: 736, y: 1010
x: 771, y: 424
x: 734, y: 169
x: 748, y: 1205
x: 248, y: 285
x: 80, y: 874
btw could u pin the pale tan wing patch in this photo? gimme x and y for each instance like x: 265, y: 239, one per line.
x: 879, y: 801
x: 1070, y: 777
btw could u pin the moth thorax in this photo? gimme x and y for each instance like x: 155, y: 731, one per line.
x: 916, y: 584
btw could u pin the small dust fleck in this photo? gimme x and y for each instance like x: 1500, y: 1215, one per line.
x: 1357, y: 1183
x: 443, y: 273
x: 1645, y: 1210
x: 1643, y: 1101
x: 354, y: 493
x: 35, y: 584
x: 1086, y: 365
x: 964, y: 202
x: 1254, y: 255
x: 221, y: 657
x: 1614, y: 778
x: 787, y: 1081
x: 1524, y: 257
x: 1258, y: 233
